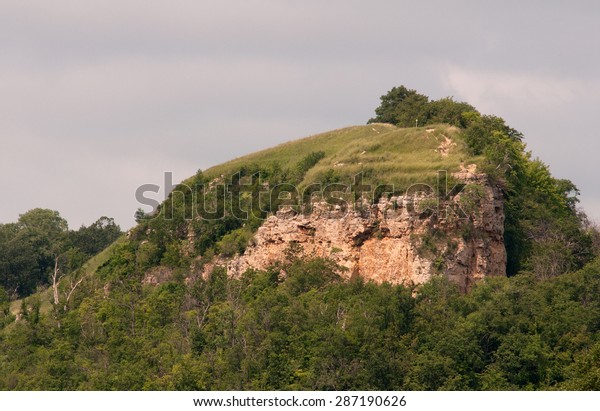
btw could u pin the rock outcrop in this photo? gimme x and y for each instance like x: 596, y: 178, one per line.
x: 403, y: 239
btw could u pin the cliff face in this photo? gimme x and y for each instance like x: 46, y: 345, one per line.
x: 404, y: 239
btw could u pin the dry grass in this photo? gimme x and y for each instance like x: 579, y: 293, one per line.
x: 384, y: 154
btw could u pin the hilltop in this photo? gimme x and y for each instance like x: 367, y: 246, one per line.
x: 383, y: 153
x: 341, y: 261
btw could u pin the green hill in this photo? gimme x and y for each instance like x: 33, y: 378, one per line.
x: 385, y: 154
x: 185, y: 229
x: 144, y: 316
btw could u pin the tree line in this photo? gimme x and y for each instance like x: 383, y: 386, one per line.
x: 39, y: 245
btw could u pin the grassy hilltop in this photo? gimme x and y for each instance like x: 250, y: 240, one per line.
x: 384, y: 153
x: 113, y: 328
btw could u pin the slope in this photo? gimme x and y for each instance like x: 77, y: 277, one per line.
x: 382, y: 152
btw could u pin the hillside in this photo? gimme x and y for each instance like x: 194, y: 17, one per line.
x: 342, y: 261
x: 385, y: 154
x: 376, y: 199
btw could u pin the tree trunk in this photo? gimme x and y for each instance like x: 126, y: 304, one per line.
x: 55, y: 281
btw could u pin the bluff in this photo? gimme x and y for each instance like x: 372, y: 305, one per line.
x: 393, y: 241
x: 404, y: 236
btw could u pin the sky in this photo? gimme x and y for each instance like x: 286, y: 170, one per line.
x: 100, y: 97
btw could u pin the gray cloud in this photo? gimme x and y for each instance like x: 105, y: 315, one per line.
x: 98, y: 98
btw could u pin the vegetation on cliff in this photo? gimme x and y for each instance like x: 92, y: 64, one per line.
x: 109, y: 325
x: 544, y: 230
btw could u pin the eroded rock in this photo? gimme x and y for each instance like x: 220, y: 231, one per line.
x: 394, y: 242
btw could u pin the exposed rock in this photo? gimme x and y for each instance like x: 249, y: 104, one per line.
x: 445, y: 146
x: 394, y: 241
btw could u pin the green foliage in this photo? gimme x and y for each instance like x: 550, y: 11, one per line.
x: 412, y: 111
x: 543, y: 230
x: 5, y: 315
x: 448, y: 111
x: 235, y: 242
x: 407, y: 108
x: 483, y: 131
x: 96, y: 237
x: 386, y: 112
x: 312, y: 274
x: 297, y: 327
x: 534, y: 200
x: 148, y: 255
x: 30, y: 248
x: 19, y: 270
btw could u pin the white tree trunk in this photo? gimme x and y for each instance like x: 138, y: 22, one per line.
x: 55, y: 281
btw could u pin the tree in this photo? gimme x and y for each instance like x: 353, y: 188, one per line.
x: 46, y: 231
x: 139, y: 215
x: 18, y: 260
x: 96, y: 237
x: 412, y: 111
x: 446, y: 110
x: 483, y: 131
x: 406, y: 108
x: 400, y: 106
x: 29, y: 248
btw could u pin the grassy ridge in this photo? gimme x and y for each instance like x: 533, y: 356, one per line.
x: 382, y: 152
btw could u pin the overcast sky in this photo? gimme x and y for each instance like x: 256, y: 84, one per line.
x: 100, y: 97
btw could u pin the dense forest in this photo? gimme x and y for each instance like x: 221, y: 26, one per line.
x: 313, y: 331
x: 103, y: 325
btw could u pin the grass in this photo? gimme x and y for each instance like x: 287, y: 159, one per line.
x: 384, y: 154
x: 45, y: 300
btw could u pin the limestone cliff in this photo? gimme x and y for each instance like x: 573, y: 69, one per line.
x: 397, y: 240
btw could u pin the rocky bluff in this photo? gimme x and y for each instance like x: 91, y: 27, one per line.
x: 400, y: 239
